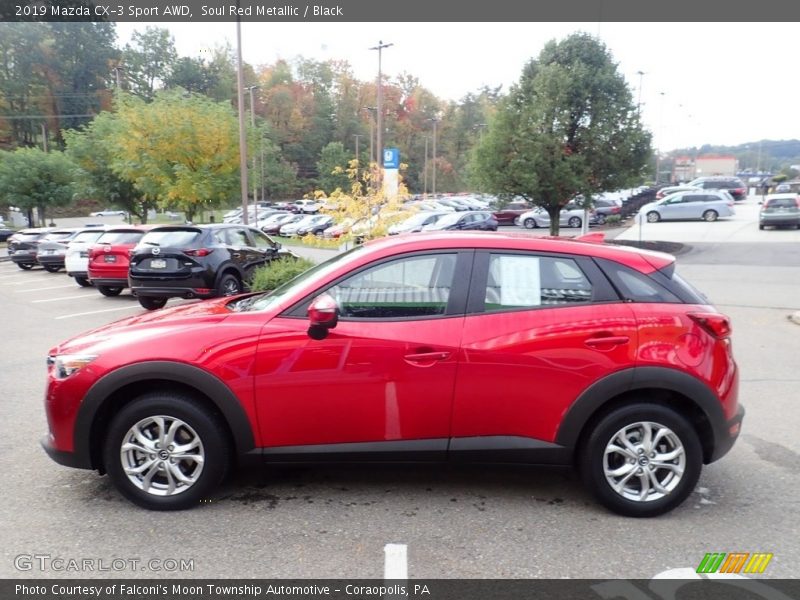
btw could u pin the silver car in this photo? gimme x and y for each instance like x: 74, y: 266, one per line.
x: 571, y: 216
x: 708, y: 205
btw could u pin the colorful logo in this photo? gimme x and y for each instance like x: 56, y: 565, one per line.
x: 734, y: 562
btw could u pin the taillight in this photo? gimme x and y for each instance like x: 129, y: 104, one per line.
x: 198, y: 252
x: 714, y: 323
x: 797, y: 201
x: 615, y: 210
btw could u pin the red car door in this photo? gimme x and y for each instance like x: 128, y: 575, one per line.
x: 540, y: 330
x: 384, y: 373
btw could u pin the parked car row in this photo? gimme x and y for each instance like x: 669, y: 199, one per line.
x: 156, y: 262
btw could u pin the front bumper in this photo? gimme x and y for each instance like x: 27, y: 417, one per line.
x: 68, y: 459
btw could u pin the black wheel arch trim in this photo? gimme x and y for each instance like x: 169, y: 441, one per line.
x: 639, y: 378
x: 204, y: 382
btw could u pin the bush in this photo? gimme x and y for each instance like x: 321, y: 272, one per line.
x: 613, y: 219
x: 278, y: 272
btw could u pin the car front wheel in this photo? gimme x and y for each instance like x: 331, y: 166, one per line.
x: 229, y: 285
x: 574, y: 222
x: 82, y: 281
x: 25, y: 266
x: 653, y: 217
x: 530, y: 224
x: 641, y: 460
x: 165, y: 452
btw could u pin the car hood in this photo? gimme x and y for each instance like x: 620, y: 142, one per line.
x: 153, y: 325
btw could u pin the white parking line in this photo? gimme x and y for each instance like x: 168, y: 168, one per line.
x: 53, y: 287
x: 94, y: 312
x: 61, y: 298
x: 395, y: 564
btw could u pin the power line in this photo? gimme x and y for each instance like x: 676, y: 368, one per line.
x: 10, y: 117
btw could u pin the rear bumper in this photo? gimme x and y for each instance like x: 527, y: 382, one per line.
x: 109, y: 282
x: 23, y: 257
x: 78, y: 274
x: 50, y: 259
x: 727, y: 435
x: 779, y: 220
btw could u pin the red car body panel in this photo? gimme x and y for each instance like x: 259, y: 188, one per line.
x: 110, y: 262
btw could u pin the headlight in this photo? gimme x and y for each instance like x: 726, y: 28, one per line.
x: 65, y: 365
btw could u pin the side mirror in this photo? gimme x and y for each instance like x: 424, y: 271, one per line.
x: 323, y: 314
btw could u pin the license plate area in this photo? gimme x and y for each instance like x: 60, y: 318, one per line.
x: 109, y: 258
x: 158, y: 263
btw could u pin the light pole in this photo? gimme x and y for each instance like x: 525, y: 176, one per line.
x: 434, y: 120
x: 240, y: 106
x: 660, y: 132
x: 639, y: 103
x: 251, y: 89
x: 379, y: 108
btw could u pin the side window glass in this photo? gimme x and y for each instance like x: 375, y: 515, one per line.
x: 260, y: 240
x: 238, y: 237
x: 417, y: 286
x: 517, y: 281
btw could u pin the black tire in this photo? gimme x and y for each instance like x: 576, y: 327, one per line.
x: 193, y: 423
x: 151, y: 303
x: 52, y: 268
x: 762, y: 227
x: 109, y: 291
x: 530, y: 223
x: 229, y: 285
x: 83, y: 282
x: 601, y: 219
x: 593, y: 457
x: 25, y: 266
x: 574, y: 222
x: 653, y: 217
x: 710, y: 216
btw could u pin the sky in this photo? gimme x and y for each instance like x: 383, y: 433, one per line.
x: 703, y: 83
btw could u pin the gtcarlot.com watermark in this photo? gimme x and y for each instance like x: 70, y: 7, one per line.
x: 60, y: 564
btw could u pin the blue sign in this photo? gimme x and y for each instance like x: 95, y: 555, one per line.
x: 391, y: 158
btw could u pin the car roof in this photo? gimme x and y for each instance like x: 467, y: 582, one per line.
x: 645, y: 261
x: 787, y: 195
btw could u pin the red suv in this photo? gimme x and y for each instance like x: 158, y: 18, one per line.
x: 431, y: 347
x: 109, y: 258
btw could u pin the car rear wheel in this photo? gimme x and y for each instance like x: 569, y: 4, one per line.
x: 108, y: 290
x: 761, y: 226
x: 152, y: 303
x: 25, y: 266
x: 530, y: 224
x: 82, y: 281
x: 165, y: 452
x: 653, y: 217
x: 710, y: 215
x: 229, y: 285
x: 641, y: 460
x: 601, y: 219
x: 574, y: 222
x: 52, y: 268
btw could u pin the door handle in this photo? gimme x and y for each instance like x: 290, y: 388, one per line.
x: 427, y: 356
x: 610, y: 340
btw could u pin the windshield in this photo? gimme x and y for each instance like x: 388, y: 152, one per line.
x: 448, y: 219
x: 56, y: 235
x: 264, y: 301
x: 417, y: 219
x: 170, y: 237
x: 120, y: 237
x: 87, y: 236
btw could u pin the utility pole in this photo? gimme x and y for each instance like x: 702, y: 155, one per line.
x: 251, y: 89
x: 639, y: 103
x: 425, y: 174
x: 435, y: 120
x: 358, y: 157
x: 240, y: 106
x: 660, y: 141
x: 371, y: 110
x: 379, y: 133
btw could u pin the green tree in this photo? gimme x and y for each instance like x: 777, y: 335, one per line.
x: 332, y: 167
x: 30, y: 178
x: 91, y: 150
x: 568, y: 127
x: 148, y: 61
x: 181, y: 149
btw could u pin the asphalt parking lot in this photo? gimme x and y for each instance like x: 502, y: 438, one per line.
x: 480, y: 522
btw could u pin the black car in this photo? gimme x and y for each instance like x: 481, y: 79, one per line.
x: 464, y: 221
x: 733, y: 185
x: 196, y: 261
x: 23, y: 246
x: 52, y: 249
x: 6, y: 233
